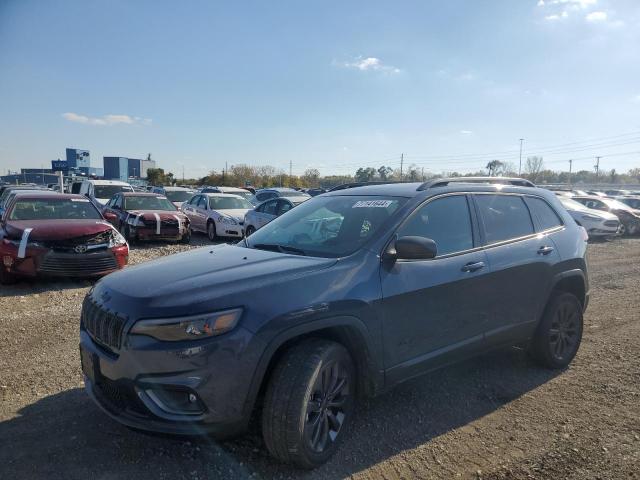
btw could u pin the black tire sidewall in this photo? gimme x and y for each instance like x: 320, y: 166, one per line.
x: 215, y: 234
x: 541, y: 348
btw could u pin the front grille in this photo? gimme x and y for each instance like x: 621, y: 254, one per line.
x: 151, y: 222
x: 611, y: 223
x: 77, y: 264
x: 105, y: 327
x: 101, y: 239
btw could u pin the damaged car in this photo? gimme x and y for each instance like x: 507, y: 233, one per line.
x: 147, y: 216
x: 629, y: 217
x: 58, y: 235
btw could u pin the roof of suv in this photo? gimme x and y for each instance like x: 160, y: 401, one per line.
x: 445, y: 185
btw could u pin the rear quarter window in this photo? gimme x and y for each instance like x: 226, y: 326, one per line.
x: 547, y: 217
x: 504, y: 217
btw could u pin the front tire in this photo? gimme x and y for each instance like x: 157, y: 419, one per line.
x: 309, y: 403
x: 128, y: 235
x: 559, y: 334
x: 250, y: 231
x: 186, y: 238
x: 211, y: 231
x: 7, y: 278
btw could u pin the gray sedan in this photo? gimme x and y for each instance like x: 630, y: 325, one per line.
x: 267, y: 211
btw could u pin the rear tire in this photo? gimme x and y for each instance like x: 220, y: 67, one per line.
x: 309, y: 403
x: 559, y: 334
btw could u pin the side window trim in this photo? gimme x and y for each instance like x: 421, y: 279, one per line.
x: 486, y: 245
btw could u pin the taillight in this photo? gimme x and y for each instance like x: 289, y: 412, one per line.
x: 583, y: 231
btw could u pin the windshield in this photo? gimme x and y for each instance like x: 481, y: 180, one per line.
x: 50, y: 209
x: 327, y: 226
x: 229, y: 203
x: 246, y: 195
x: 293, y: 193
x: 615, y: 204
x: 108, y: 191
x: 572, y: 204
x: 179, y: 195
x: 148, y: 203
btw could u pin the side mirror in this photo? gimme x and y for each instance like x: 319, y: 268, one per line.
x: 413, y: 248
x: 110, y: 217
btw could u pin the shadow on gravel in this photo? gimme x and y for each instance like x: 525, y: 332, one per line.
x: 66, y: 436
x: 39, y: 285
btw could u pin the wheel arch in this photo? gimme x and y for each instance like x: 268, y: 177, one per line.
x: 348, y: 331
x: 574, y: 282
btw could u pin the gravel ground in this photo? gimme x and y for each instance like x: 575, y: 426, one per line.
x: 495, y: 417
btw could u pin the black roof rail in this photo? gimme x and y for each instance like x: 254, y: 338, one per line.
x: 344, y: 186
x: 443, y: 182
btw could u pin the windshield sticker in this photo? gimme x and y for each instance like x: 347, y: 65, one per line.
x: 83, y: 200
x: 372, y: 204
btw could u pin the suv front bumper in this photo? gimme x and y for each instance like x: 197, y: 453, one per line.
x: 202, y: 388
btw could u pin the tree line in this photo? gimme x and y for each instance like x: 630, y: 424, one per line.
x: 268, y: 176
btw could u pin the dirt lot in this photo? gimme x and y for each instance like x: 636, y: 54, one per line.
x: 496, y: 417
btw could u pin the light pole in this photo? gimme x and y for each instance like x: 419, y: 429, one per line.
x: 520, y: 167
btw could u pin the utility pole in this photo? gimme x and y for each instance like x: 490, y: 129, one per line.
x: 597, y: 167
x: 290, y: 171
x: 401, y: 164
x: 520, y: 167
x: 423, y: 174
x: 570, y: 168
x: 183, y: 173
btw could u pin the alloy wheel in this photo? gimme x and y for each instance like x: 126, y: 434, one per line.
x: 326, y: 407
x: 564, y: 331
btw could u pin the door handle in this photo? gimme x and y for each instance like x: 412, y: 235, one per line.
x: 545, y: 250
x: 472, y: 266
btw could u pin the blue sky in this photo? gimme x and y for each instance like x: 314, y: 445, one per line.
x: 331, y: 85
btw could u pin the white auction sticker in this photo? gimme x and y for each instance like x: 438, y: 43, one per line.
x: 83, y: 200
x: 372, y: 204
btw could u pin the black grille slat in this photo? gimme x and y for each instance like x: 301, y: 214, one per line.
x: 104, y: 327
x: 611, y: 223
x: 78, y: 264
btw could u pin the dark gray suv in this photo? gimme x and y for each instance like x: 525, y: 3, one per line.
x: 344, y: 296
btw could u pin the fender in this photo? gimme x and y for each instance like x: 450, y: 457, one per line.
x: 375, y: 371
x: 575, y: 272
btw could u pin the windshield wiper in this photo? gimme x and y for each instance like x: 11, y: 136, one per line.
x: 278, y: 248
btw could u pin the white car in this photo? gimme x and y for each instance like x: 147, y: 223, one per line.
x: 101, y: 191
x: 268, y: 210
x: 597, y: 223
x: 177, y: 195
x: 242, y: 192
x: 217, y: 214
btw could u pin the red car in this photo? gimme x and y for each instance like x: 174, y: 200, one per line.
x: 147, y: 216
x: 58, y: 235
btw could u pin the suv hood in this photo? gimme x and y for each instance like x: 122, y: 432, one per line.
x: 200, y: 279
x: 44, y: 230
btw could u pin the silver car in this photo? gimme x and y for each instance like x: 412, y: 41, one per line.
x: 597, y: 223
x: 267, y: 211
x: 217, y: 214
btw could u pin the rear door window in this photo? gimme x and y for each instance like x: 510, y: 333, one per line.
x: 446, y: 221
x: 283, y: 206
x: 504, y: 217
x: 271, y: 207
x: 547, y: 217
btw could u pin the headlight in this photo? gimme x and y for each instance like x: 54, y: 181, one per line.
x: 227, y: 220
x: 189, y: 328
x: 116, y: 240
x: 588, y: 216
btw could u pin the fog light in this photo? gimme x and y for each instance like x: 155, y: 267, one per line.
x: 7, y: 260
x: 192, y: 398
x: 177, y: 402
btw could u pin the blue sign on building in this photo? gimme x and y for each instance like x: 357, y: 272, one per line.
x: 59, y: 165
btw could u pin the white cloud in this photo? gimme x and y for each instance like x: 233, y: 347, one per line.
x: 370, y: 64
x: 636, y: 99
x: 110, y: 119
x: 596, y: 17
x: 556, y: 16
x: 466, y: 132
